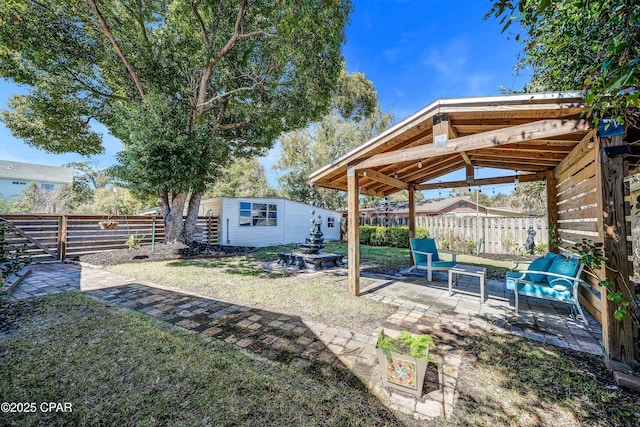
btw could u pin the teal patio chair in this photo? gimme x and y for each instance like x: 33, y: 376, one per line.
x: 426, y: 257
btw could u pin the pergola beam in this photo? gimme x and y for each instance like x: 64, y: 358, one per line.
x: 376, y: 176
x: 484, y: 181
x: 520, y: 133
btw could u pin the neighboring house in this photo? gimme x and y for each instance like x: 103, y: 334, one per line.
x: 430, y: 207
x: 16, y: 176
x: 264, y: 221
x: 453, y: 206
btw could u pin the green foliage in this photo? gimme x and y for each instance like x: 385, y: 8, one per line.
x: 415, y: 346
x: 445, y: 244
x: 122, y: 201
x: 589, y: 45
x: 483, y: 198
x: 530, y: 197
x: 134, y: 240
x: 396, y: 237
x: 594, y: 255
x: 242, y: 178
x: 355, y: 117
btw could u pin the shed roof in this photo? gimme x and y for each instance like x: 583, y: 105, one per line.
x: 34, y: 172
x: 529, y: 133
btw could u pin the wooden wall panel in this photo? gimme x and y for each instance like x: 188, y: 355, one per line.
x: 578, y: 211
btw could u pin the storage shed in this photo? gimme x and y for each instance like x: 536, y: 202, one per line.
x: 257, y: 221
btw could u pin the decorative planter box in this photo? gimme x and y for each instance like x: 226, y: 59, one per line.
x: 402, y: 372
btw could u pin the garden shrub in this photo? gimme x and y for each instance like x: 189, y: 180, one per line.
x: 397, y: 237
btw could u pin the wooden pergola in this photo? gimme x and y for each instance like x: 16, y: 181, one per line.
x: 534, y: 137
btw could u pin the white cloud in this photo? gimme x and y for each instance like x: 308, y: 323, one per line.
x: 479, y: 84
x: 448, y: 62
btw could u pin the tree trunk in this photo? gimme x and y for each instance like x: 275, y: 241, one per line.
x: 189, y: 229
x: 172, y: 211
x: 176, y: 227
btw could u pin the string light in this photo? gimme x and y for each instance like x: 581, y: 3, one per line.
x: 395, y: 174
x: 364, y: 173
x: 516, y: 180
x: 439, y: 190
x: 420, y: 164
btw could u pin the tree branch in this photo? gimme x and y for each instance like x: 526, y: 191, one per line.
x: 204, y: 83
x: 102, y: 25
x: 234, y: 125
x: 203, y: 28
x: 75, y: 78
x: 225, y: 95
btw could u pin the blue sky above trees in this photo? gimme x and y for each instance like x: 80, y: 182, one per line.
x: 414, y: 52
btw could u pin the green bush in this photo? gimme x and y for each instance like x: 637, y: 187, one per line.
x: 397, y: 237
x: 366, y: 231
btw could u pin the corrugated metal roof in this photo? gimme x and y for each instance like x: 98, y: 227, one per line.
x: 32, y: 172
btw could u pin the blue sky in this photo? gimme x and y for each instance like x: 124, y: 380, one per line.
x: 414, y: 52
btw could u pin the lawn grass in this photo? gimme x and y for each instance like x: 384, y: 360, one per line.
x: 323, y: 299
x: 129, y: 369
x: 512, y: 381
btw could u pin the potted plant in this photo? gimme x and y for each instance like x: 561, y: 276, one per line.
x: 108, y: 224
x: 403, y: 360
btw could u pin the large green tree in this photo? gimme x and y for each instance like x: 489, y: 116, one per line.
x: 242, y: 178
x: 593, y: 45
x: 355, y: 118
x: 185, y: 85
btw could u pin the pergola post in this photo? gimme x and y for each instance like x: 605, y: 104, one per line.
x: 353, y: 231
x: 412, y: 215
x: 552, y: 209
x: 617, y: 335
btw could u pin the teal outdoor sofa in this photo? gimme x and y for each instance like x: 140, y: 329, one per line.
x: 425, y: 257
x: 553, y: 277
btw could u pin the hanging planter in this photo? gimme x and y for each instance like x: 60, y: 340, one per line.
x: 108, y: 225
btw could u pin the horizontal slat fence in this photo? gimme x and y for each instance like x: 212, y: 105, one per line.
x: 58, y: 237
x: 42, y: 228
x: 578, y: 214
x: 500, y: 235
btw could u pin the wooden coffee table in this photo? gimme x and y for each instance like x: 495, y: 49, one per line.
x: 468, y: 270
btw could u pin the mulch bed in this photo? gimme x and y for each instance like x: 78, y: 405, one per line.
x: 162, y: 252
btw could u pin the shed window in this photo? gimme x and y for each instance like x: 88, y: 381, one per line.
x: 331, y: 222
x: 48, y: 187
x: 19, y: 183
x: 463, y: 205
x: 258, y: 214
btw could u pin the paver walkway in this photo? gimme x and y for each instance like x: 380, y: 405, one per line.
x: 328, y: 353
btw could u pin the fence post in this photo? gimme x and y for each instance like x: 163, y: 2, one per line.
x: 62, y: 237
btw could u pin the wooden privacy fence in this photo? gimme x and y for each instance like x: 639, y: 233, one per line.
x: 497, y: 235
x: 57, y: 237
